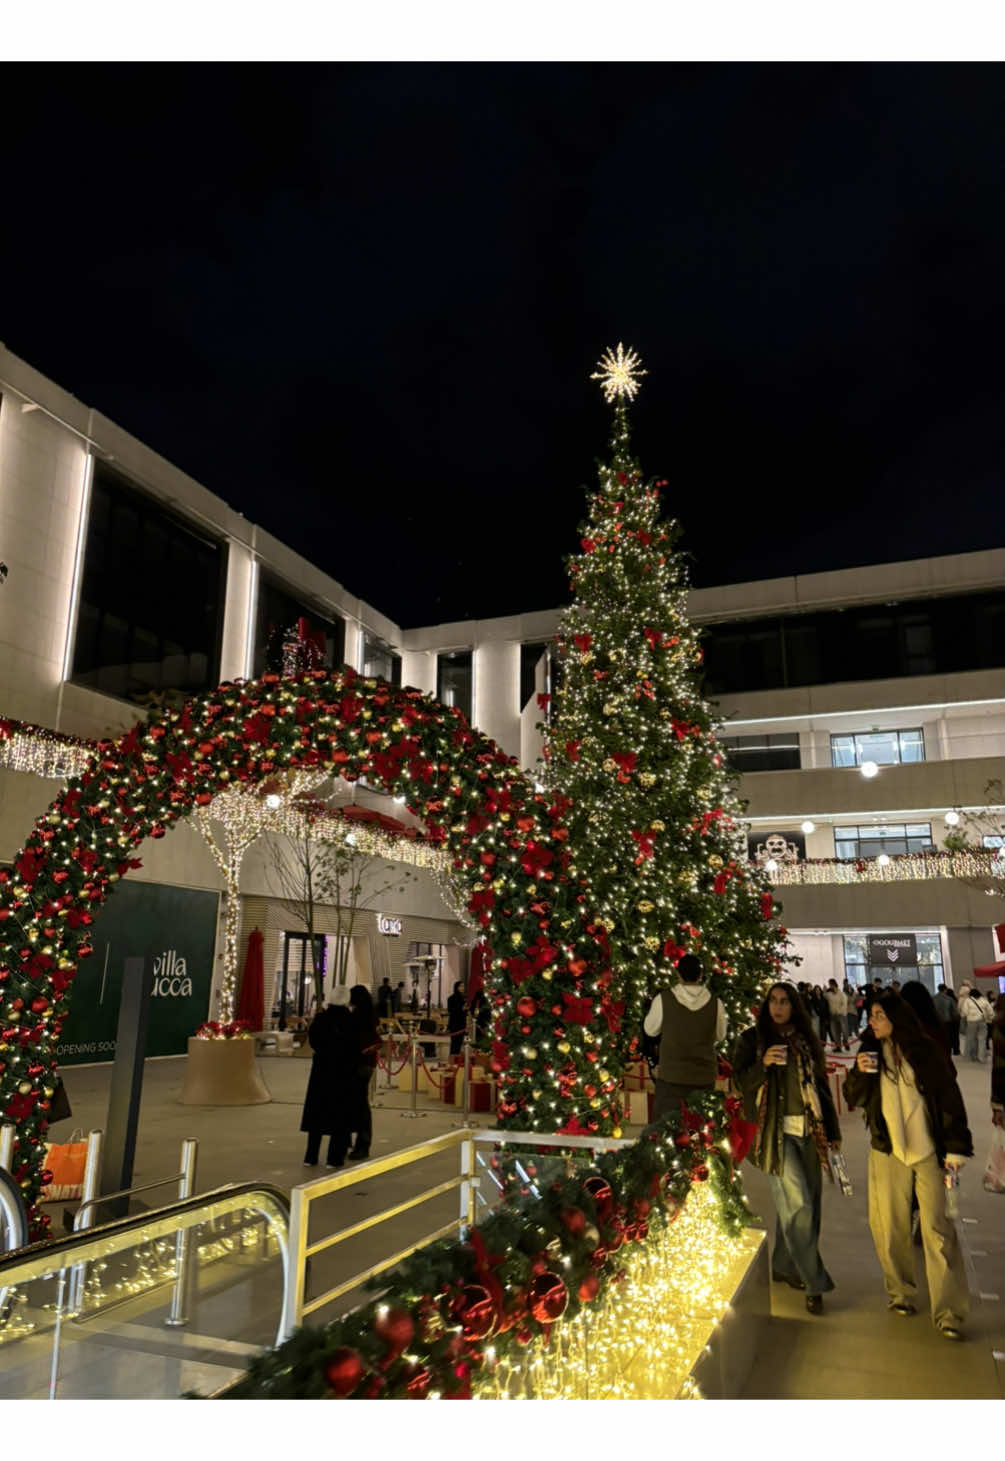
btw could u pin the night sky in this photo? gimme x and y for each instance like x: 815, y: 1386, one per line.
x: 361, y: 303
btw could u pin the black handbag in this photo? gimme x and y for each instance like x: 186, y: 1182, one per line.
x: 59, y: 1106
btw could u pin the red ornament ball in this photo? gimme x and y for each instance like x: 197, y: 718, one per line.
x: 699, y: 1173
x: 574, y: 1218
x: 526, y: 1006
x: 547, y: 1298
x: 589, y: 1288
x: 344, y: 1371
x: 600, y: 1190
x: 396, y: 1328
x: 478, y: 1314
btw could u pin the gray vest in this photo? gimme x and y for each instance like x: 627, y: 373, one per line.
x: 687, y: 1043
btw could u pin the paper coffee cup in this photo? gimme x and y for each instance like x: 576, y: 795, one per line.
x: 871, y: 1061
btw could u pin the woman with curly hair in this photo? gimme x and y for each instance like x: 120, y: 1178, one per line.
x: 780, y: 1070
x: 918, y: 1124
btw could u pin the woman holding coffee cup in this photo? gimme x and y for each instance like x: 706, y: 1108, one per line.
x: 780, y: 1069
x: 918, y: 1124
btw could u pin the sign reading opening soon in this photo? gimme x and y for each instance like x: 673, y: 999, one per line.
x: 389, y: 925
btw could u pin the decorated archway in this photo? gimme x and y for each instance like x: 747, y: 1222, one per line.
x: 557, y: 1061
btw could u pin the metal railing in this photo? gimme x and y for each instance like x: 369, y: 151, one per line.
x: 297, y: 1306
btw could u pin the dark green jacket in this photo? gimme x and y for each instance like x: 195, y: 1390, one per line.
x: 749, y: 1075
x: 947, y: 1115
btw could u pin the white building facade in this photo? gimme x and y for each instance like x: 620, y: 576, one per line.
x: 901, y: 665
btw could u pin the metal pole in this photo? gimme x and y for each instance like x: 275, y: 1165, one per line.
x: 467, y: 1073
x: 296, y: 1262
x: 127, y: 1082
x: 88, y: 1192
x: 181, y: 1296
x: 413, y: 1051
x: 7, y: 1134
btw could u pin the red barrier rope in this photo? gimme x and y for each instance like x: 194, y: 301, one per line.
x: 388, y: 1069
x: 439, y: 1085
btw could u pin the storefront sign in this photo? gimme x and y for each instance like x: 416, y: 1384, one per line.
x: 388, y: 925
x: 174, y: 931
x: 779, y: 847
x: 893, y: 950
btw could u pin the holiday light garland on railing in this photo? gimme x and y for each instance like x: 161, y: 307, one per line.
x: 969, y: 865
x: 41, y: 752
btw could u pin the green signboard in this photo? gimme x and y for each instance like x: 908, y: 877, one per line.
x: 174, y: 929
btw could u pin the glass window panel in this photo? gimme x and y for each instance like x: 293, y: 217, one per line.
x: 278, y: 612
x: 878, y: 746
x: 380, y: 660
x: 854, y: 948
x: 530, y: 656
x: 842, y: 750
x: 454, y: 680
x: 135, y: 554
x: 912, y: 745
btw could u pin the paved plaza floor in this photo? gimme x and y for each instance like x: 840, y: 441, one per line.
x: 856, y: 1349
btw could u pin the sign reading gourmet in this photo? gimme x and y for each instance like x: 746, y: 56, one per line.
x: 893, y: 949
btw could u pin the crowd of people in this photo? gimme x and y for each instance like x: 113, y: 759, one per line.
x: 903, y: 1079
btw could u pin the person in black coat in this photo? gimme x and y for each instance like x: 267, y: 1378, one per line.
x: 917, y: 1122
x: 368, y: 1042
x: 331, y: 1089
x: 456, y: 1021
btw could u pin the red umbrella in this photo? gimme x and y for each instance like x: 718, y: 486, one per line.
x: 251, y: 1005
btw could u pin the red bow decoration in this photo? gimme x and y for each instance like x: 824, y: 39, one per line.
x: 572, y: 750
x: 741, y: 1133
x: 543, y: 701
x: 767, y: 905
x: 577, y: 1011
x: 644, y: 842
x: 582, y: 642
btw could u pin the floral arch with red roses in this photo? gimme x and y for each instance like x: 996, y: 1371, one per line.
x: 555, y: 1043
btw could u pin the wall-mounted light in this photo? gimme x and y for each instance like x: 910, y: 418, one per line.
x: 869, y: 769
x: 809, y: 827
x: 952, y: 819
x: 883, y: 860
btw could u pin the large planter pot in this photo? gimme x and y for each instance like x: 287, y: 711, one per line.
x: 222, y: 1073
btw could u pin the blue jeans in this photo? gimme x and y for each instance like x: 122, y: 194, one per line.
x: 796, y: 1195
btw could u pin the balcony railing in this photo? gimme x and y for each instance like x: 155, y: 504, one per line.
x: 983, y: 865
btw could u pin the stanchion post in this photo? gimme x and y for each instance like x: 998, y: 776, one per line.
x: 88, y: 1192
x: 180, y: 1294
x: 413, y: 1051
x: 7, y: 1134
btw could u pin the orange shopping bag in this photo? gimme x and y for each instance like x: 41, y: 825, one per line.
x: 66, y: 1161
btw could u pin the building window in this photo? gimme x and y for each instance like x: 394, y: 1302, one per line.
x: 886, y: 748
x: 779, y: 752
x: 530, y: 657
x: 380, y: 661
x: 150, y: 619
x: 943, y: 635
x: 453, y: 680
x: 894, y: 838
x: 279, y: 614
x: 929, y: 968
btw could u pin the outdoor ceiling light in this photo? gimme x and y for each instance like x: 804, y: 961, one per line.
x: 809, y: 827
x: 952, y: 819
x: 869, y: 769
x: 883, y: 860
x: 771, y: 866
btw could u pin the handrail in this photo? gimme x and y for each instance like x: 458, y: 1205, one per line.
x: 123, y: 1192
x: 160, y: 1217
x: 46, y: 1260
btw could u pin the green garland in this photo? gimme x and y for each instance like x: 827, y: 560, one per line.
x: 449, y: 1300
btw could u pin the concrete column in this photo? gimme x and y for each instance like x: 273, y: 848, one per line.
x: 968, y: 949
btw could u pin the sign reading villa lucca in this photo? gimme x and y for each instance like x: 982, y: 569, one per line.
x: 893, y: 950
x: 389, y: 925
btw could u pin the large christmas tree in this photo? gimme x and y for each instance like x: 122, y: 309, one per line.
x: 631, y: 749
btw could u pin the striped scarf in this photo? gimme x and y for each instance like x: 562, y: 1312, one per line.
x: 812, y: 1113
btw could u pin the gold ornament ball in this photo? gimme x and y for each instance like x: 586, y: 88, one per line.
x: 657, y: 826
x: 715, y: 860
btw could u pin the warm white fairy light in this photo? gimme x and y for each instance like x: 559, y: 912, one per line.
x: 641, y: 1339
x: 969, y: 864
x: 41, y: 753
x: 618, y: 373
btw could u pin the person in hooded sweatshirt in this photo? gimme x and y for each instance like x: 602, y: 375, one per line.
x: 690, y: 1022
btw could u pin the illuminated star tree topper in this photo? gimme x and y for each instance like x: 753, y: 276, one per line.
x: 618, y: 374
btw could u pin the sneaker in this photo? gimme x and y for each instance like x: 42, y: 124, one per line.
x: 950, y: 1331
x: 904, y: 1308
x: 334, y: 1166
x: 359, y: 1156
x: 814, y: 1303
x: 309, y: 1164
